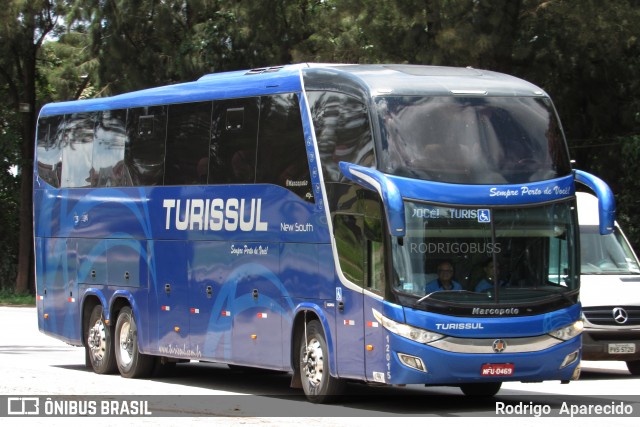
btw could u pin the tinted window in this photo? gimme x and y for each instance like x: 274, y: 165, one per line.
x: 146, y: 131
x: 282, y: 156
x: 77, y: 152
x: 108, y: 150
x: 350, y: 244
x: 476, y: 140
x: 342, y: 130
x: 49, y: 151
x: 188, y: 144
x: 234, y: 133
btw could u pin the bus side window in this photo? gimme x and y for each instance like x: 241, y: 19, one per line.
x: 282, y: 155
x: 376, y: 277
x: 343, y: 131
x: 234, y: 134
x: 188, y: 144
x: 350, y: 243
x: 108, y: 166
x: 145, y: 149
x: 49, y: 146
x: 77, y: 152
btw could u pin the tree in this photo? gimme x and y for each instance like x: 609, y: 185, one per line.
x: 587, y: 58
x: 67, y: 68
x: 26, y: 24
x: 9, y: 190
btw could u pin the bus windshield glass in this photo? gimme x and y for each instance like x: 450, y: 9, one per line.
x: 496, y: 255
x: 471, y: 140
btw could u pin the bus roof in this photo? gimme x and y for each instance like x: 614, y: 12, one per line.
x: 368, y: 80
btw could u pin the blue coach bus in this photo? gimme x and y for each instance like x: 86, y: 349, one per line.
x: 290, y: 218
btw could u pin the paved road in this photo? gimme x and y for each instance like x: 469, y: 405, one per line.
x: 33, y: 364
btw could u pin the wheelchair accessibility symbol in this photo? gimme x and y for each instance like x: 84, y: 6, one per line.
x: 484, y: 215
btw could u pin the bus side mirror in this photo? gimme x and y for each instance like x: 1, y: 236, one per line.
x: 606, y: 201
x: 388, y: 191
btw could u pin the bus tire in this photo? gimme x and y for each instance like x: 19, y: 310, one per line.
x: 481, y: 389
x: 131, y: 363
x: 318, y: 385
x: 633, y: 366
x: 99, y: 343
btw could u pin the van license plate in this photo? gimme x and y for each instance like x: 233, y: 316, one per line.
x: 622, y: 348
x: 497, y: 370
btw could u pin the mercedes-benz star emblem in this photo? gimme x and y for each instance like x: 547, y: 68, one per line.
x: 620, y: 315
x: 499, y: 345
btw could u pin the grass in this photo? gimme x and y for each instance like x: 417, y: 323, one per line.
x: 8, y: 297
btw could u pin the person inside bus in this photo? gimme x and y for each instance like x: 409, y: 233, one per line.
x: 486, y: 284
x: 444, y: 281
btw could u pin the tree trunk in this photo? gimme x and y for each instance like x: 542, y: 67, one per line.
x: 25, y: 280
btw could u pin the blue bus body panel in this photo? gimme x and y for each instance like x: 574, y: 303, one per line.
x: 180, y: 212
x: 213, y: 294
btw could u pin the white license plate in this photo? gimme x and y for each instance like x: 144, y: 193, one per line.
x: 622, y: 348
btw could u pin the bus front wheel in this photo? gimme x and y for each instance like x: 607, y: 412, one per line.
x: 131, y: 363
x: 318, y: 385
x: 99, y: 343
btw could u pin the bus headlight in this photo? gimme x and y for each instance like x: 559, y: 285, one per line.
x: 410, y: 332
x: 568, y: 332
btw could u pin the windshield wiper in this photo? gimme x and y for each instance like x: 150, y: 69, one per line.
x: 436, y: 292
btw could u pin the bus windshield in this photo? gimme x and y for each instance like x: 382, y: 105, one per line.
x: 505, y: 255
x: 493, y: 140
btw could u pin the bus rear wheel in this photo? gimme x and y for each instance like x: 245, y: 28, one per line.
x: 318, y: 385
x: 99, y: 343
x: 481, y: 389
x: 131, y: 363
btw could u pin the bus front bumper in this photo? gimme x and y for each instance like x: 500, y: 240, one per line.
x: 414, y: 363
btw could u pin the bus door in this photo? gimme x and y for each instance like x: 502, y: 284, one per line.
x: 360, y: 244
x: 349, y: 235
x: 376, y: 344
x: 172, y: 298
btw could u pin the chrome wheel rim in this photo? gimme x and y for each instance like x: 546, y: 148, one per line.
x: 126, y: 344
x: 313, y: 364
x: 97, y: 340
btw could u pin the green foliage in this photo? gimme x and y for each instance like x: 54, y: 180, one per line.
x: 9, y: 201
x: 68, y: 67
x: 25, y: 25
x: 587, y: 58
x: 585, y: 54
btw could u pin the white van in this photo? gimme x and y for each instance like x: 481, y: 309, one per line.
x: 609, y: 292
